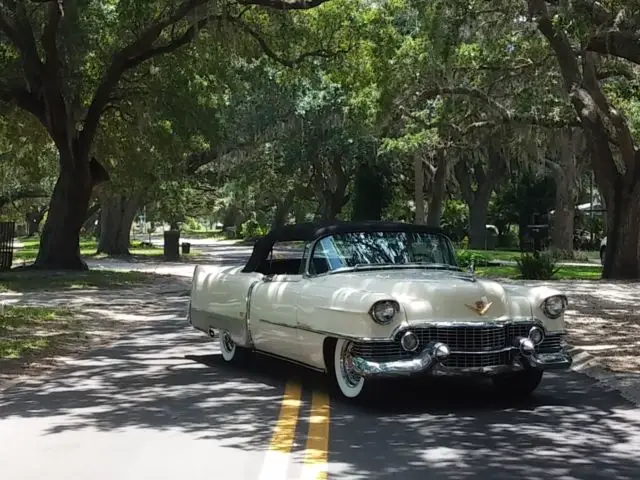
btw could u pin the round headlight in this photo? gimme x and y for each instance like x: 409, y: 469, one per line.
x: 384, y: 312
x: 410, y: 342
x: 554, y: 306
x: 536, y: 335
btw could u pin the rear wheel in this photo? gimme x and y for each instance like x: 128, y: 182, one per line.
x: 345, y: 378
x: 518, y: 384
x: 230, y: 351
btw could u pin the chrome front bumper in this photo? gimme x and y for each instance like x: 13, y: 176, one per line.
x: 430, y: 362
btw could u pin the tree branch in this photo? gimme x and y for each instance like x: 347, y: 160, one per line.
x: 618, y: 44
x: 291, y: 63
x: 285, y: 4
x: 128, y: 57
x: 188, y: 36
x: 22, y: 193
x: 432, y: 93
x: 49, y: 44
x: 21, y: 97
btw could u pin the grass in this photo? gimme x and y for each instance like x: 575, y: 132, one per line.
x: 29, y: 331
x: 88, y: 247
x: 564, y: 273
x: 511, y: 255
x: 30, y: 280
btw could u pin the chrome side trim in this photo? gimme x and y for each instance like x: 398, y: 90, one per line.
x: 236, y: 327
x: 289, y: 360
x: 247, y: 314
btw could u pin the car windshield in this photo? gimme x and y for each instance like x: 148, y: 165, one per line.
x: 382, y: 249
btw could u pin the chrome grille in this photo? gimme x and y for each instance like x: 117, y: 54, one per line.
x: 551, y: 344
x: 466, y: 360
x: 470, y: 346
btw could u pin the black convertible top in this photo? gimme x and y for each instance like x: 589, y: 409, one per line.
x: 307, y: 232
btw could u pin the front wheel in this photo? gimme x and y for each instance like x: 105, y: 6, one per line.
x: 518, y: 384
x: 341, y: 368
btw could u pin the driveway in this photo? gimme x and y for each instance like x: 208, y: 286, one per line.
x: 160, y: 403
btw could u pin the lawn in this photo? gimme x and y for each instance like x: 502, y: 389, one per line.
x: 31, y: 280
x: 26, y: 332
x: 564, y: 272
x: 512, y: 255
x: 88, y: 248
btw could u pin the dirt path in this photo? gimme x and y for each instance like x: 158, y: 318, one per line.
x: 100, y: 317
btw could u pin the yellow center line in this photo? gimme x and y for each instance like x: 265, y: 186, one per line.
x: 277, y: 459
x: 316, y: 464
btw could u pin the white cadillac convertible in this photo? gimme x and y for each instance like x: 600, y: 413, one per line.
x: 367, y: 300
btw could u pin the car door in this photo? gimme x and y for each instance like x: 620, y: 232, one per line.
x: 273, y: 316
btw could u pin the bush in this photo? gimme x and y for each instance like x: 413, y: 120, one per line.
x: 465, y: 258
x: 193, y: 225
x: 539, y: 266
x: 251, y: 228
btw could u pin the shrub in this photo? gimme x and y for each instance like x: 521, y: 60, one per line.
x: 466, y: 257
x: 539, y: 266
x: 251, y: 228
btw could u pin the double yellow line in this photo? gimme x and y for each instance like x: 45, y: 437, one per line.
x: 316, y: 463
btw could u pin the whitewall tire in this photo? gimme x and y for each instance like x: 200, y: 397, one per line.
x: 228, y: 347
x: 349, y: 383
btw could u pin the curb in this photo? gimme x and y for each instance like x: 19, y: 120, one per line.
x: 627, y: 385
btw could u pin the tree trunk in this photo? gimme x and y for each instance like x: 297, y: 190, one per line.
x: 116, y: 217
x: 34, y: 219
x: 60, y: 240
x: 485, y: 173
x: 478, y: 210
x: 623, y: 233
x: 438, y: 191
x: 93, y: 215
x: 565, y: 176
x: 563, y: 218
x: 283, y: 208
x: 419, y: 190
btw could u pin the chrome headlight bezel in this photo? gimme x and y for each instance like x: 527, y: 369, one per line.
x: 384, y: 318
x: 554, y: 306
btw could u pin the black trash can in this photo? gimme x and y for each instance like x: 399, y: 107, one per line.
x: 539, y: 235
x: 7, y: 232
x: 172, y: 244
x: 186, y: 248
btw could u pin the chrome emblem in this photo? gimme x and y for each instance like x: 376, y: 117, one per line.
x: 481, y: 307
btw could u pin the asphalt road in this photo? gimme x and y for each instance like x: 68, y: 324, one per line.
x: 161, y: 404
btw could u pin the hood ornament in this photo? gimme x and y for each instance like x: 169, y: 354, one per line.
x: 481, y: 307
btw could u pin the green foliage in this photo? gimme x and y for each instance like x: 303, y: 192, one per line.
x: 455, y: 219
x: 251, y: 228
x: 537, y: 266
x: 466, y: 258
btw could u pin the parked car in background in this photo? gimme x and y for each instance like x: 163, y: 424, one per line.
x: 371, y: 300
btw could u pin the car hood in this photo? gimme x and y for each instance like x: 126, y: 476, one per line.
x: 437, y: 295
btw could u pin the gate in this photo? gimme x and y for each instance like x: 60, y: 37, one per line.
x: 7, y: 231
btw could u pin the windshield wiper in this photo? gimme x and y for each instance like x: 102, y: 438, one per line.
x: 440, y: 266
x: 385, y: 266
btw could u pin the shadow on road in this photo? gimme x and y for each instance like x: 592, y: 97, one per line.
x: 162, y: 375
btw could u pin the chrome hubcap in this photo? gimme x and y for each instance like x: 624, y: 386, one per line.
x: 227, y: 343
x: 346, y: 367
